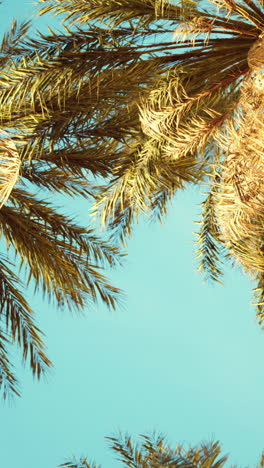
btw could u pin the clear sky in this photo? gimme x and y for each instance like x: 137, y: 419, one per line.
x: 182, y: 357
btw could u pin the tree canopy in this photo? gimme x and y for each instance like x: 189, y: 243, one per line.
x: 152, y: 93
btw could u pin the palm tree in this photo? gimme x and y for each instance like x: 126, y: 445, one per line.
x: 146, y: 95
x: 174, y: 96
x: 154, y: 452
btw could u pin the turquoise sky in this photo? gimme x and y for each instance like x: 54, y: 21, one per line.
x: 182, y: 357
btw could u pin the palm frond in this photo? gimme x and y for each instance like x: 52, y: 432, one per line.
x: 17, y: 322
x: 209, y: 249
x: 144, y: 183
x: 8, y: 381
x: 11, y: 47
x: 258, y: 298
x: 63, y: 259
x: 55, y: 179
x: 114, y: 12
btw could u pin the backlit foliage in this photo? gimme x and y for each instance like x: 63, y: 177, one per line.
x: 151, y: 96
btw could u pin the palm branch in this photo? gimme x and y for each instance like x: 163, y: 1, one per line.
x: 62, y: 259
x: 17, y: 326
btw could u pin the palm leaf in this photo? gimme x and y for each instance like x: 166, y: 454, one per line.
x: 63, y: 259
x: 209, y: 249
x: 18, y: 325
x: 8, y: 381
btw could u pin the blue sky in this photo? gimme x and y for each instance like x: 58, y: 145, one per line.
x: 181, y: 357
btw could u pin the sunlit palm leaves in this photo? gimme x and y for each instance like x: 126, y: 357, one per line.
x: 188, y: 105
x: 9, y: 167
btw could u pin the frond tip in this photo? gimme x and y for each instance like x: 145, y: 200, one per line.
x: 208, y: 245
x: 9, y: 166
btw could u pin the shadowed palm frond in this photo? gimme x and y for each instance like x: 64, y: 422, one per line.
x: 63, y: 259
x: 17, y: 327
x: 8, y: 381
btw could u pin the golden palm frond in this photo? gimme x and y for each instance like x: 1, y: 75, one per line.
x: 64, y: 259
x: 239, y: 197
x: 9, y: 166
x: 143, y: 185
x: 115, y: 12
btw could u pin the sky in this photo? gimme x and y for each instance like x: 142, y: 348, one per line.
x: 181, y: 357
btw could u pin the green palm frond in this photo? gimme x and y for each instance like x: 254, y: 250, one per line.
x: 63, y: 260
